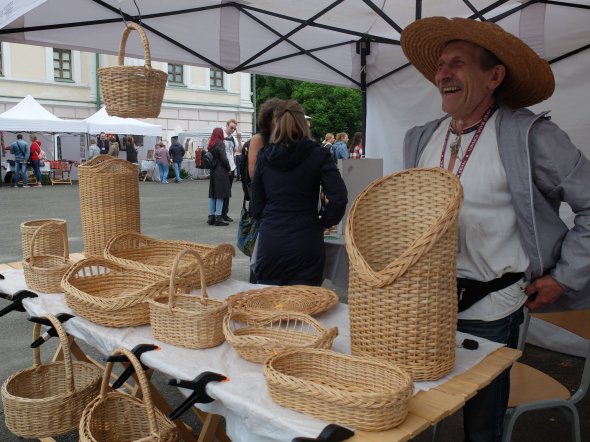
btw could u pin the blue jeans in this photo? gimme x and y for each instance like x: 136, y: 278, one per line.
x: 164, y: 168
x: 37, y: 169
x: 18, y: 169
x: 215, y: 206
x: 483, y: 415
x: 177, y: 171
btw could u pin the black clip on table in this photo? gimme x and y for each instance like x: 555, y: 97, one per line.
x: 199, y: 395
x: 51, y: 332
x: 137, y: 351
x: 17, y: 300
x: 332, y: 433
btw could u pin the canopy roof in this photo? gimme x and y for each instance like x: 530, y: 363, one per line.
x: 101, y: 121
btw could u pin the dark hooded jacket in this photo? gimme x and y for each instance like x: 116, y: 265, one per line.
x: 285, y: 199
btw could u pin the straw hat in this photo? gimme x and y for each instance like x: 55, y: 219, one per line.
x: 529, y: 79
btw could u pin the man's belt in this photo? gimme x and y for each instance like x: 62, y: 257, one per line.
x: 470, y: 291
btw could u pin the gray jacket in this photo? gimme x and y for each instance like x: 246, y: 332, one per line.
x: 543, y: 169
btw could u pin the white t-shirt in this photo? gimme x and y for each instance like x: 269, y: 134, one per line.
x: 231, y: 145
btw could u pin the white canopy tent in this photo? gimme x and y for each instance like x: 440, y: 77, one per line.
x: 101, y: 121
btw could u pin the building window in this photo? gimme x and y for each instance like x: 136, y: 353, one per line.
x: 216, y: 78
x: 175, y: 73
x: 62, y: 64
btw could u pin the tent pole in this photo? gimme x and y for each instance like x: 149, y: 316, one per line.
x: 363, y: 47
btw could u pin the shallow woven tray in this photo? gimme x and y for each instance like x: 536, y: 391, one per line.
x: 256, y: 335
x: 362, y: 392
x: 294, y: 298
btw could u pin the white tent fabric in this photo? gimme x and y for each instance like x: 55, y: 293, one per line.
x: 101, y: 121
x: 29, y: 116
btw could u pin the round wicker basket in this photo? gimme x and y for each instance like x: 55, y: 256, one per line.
x: 48, y: 243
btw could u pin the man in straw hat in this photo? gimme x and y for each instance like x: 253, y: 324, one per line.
x: 516, y: 168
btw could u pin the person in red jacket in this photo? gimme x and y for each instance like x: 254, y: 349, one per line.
x: 37, y: 155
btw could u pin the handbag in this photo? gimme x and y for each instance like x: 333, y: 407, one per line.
x: 247, y: 231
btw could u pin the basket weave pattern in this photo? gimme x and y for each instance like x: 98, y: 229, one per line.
x: 47, y: 243
x: 365, y: 393
x: 109, y: 201
x: 402, y: 275
x: 119, y: 417
x: 133, y: 91
x: 48, y: 399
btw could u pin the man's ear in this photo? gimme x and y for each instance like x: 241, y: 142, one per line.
x: 498, y: 74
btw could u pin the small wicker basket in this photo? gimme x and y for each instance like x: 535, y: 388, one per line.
x: 108, y: 294
x: 146, y: 254
x: 188, y: 320
x: 119, y: 417
x: 48, y: 399
x: 48, y: 243
x: 133, y: 91
x: 256, y: 334
x: 44, y: 272
x: 365, y: 393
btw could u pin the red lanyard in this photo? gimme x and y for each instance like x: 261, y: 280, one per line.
x: 476, y: 136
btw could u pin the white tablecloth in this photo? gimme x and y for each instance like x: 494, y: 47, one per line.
x: 250, y: 413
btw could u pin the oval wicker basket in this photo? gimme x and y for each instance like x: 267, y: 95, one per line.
x: 48, y: 399
x: 294, y: 298
x: 133, y: 91
x: 146, y: 254
x: 256, y: 335
x: 119, y: 417
x: 108, y: 294
x: 188, y: 320
x: 48, y: 243
x: 44, y: 272
x: 365, y: 393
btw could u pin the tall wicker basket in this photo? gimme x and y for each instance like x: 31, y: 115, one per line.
x: 109, y: 201
x: 133, y: 91
x: 48, y: 399
x: 401, y: 239
x: 48, y: 242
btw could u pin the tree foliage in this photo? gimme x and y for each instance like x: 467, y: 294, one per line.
x: 332, y: 109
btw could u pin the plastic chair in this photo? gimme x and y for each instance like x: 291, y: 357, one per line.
x: 531, y: 389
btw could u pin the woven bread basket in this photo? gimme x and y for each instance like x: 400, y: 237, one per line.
x: 119, y: 417
x: 133, y: 91
x: 188, y: 320
x: 109, y: 201
x: 365, y: 393
x: 404, y: 269
x: 108, y: 294
x: 146, y: 254
x: 44, y: 272
x: 48, y: 399
x: 48, y: 242
x: 257, y: 334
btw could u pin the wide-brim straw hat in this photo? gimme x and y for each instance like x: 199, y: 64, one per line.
x: 529, y: 79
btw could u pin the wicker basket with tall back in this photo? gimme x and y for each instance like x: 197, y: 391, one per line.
x: 48, y: 242
x: 401, y: 239
x: 109, y: 201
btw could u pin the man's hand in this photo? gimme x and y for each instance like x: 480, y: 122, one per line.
x: 542, y: 292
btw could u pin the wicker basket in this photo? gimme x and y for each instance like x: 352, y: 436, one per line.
x: 365, y: 393
x: 44, y: 272
x: 109, y: 201
x: 147, y: 254
x: 293, y: 298
x: 188, y: 320
x: 48, y: 399
x: 48, y: 243
x: 256, y: 335
x: 108, y: 294
x: 133, y: 91
x: 404, y: 269
x: 119, y: 417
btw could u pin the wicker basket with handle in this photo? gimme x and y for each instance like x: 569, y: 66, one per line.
x: 133, y: 91
x: 402, y: 270
x: 48, y: 399
x: 365, y: 393
x: 48, y: 242
x: 118, y: 417
x: 188, y: 320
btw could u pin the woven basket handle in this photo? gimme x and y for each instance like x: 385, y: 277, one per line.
x: 52, y: 225
x: 146, y: 45
x: 65, y: 346
x: 172, y: 286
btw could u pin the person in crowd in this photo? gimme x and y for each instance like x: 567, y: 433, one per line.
x: 113, y: 146
x: 21, y: 151
x: 131, y: 149
x: 328, y: 141
x: 103, y: 144
x: 339, y: 149
x: 163, y: 162
x: 356, y: 147
x: 93, y: 149
x: 260, y: 139
x: 233, y: 144
x: 177, y: 154
x: 285, y: 198
x: 515, y: 167
x: 35, y: 158
x: 219, y: 184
